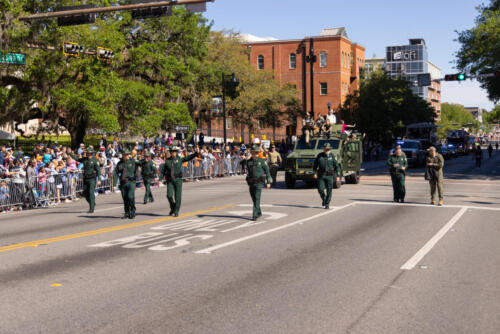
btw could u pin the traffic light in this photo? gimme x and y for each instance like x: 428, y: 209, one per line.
x: 75, y: 19
x: 146, y: 13
x: 72, y: 49
x: 455, y: 77
x: 104, y: 54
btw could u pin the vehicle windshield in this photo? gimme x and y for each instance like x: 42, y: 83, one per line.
x: 302, y: 145
x: 333, y: 143
x: 408, y: 144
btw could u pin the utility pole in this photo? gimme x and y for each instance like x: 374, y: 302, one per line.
x: 311, y: 59
x: 224, y: 107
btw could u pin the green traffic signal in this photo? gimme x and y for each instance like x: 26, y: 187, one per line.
x: 455, y: 77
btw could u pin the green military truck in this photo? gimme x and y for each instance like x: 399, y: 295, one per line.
x: 347, y: 149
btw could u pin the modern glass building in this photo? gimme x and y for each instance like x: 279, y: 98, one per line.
x: 407, y: 61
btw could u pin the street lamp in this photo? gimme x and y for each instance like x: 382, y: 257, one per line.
x: 232, y: 83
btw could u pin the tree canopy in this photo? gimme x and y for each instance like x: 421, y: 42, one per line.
x: 453, y: 117
x: 384, y: 106
x: 480, y: 48
x: 163, y: 71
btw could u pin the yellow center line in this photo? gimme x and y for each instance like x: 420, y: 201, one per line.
x: 108, y: 229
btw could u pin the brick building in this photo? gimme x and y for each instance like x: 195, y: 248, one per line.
x: 335, y: 74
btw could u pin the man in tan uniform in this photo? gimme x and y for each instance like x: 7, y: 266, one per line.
x: 275, y: 161
x: 435, y: 163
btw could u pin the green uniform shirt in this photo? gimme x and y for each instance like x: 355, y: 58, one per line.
x: 326, y: 164
x: 125, y: 171
x: 438, y: 162
x: 401, y: 161
x: 171, y: 169
x: 148, y: 169
x: 90, y: 168
x: 258, y: 170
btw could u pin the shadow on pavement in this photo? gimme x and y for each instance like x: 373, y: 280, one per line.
x: 480, y: 202
x: 380, y: 201
x: 299, y: 206
x: 224, y: 216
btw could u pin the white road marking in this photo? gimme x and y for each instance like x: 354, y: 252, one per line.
x: 272, y: 215
x: 252, y: 236
x: 411, y: 263
x: 429, y: 205
x: 492, y: 183
x: 282, y: 206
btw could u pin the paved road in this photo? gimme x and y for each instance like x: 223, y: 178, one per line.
x: 366, y: 266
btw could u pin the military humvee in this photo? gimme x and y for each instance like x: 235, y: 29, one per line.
x: 347, y: 149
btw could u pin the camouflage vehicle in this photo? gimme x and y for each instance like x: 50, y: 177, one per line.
x: 348, y: 151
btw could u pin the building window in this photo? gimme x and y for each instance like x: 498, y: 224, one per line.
x: 229, y: 123
x: 342, y: 60
x: 260, y: 62
x: 293, y: 61
x: 322, y: 59
x: 323, y: 88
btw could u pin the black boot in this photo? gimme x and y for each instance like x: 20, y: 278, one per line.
x: 125, y: 216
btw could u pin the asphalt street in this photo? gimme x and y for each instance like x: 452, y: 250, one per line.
x: 367, y: 265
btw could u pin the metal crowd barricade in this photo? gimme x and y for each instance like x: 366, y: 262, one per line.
x: 11, y: 193
x: 43, y: 190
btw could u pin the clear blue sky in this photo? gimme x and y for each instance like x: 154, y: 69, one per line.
x: 373, y: 24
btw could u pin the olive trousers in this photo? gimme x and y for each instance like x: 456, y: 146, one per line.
x: 174, y: 195
x: 128, y: 195
x: 325, y: 186
x: 398, y: 186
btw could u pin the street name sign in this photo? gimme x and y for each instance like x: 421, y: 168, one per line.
x: 182, y: 128
x: 13, y: 58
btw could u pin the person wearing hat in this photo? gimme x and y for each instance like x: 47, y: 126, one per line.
x: 148, y: 171
x: 397, y: 164
x: 478, y: 154
x: 126, y: 171
x: 275, y: 161
x: 326, y: 168
x: 435, y: 161
x: 170, y: 171
x: 91, y: 174
x: 257, y: 175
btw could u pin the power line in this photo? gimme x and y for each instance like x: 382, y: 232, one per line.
x: 110, y: 9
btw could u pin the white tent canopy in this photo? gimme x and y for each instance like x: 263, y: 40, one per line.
x: 7, y: 135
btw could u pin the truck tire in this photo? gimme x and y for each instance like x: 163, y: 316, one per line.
x: 353, y: 178
x: 337, y: 183
x: 289, y: 181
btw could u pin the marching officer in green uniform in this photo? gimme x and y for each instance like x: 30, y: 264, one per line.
x: 171, y: 172
x: 148, y: 172
x: 435, y: 164
x: 326, y: 168
x: 126, y: 171
x: 397, y: 167
x: 91, y: 173
x: 257, y: 175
